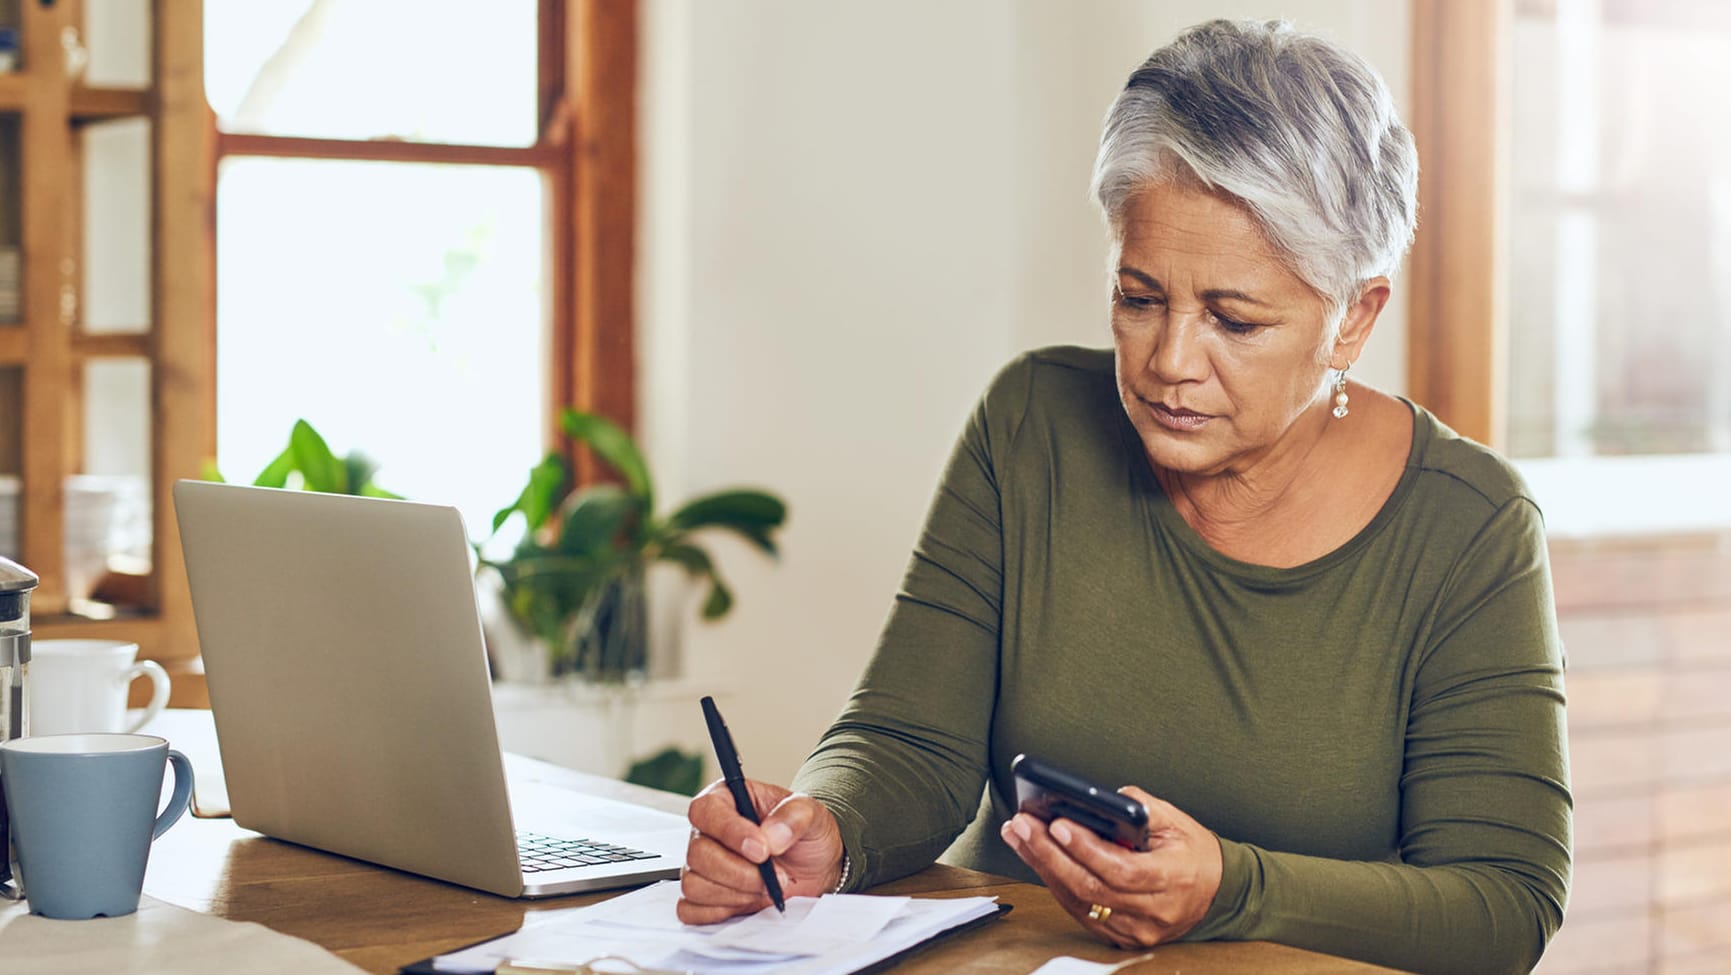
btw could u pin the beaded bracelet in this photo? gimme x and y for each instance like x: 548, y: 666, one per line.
x: 846, y: 866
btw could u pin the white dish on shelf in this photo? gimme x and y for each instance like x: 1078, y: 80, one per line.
x: 105, y: 515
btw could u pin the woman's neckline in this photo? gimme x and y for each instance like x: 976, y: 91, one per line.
x: 1174, y: 522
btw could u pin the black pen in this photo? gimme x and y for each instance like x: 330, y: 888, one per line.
x: 735, y: 778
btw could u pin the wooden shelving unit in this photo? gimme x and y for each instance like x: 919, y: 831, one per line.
x: 50, y: 345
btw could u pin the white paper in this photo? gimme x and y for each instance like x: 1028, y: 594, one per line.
x: 813, y: 926
x: 650, y: 908
x: 1066, y: 965
x: 835, y: 934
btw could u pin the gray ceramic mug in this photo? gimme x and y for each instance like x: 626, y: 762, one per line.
x: 83, y: 812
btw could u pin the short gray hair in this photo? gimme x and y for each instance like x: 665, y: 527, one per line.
x: 1298, y: 129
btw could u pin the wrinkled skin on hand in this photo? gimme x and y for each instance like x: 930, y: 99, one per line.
x: 1154, y: 896
x: 721, y: 879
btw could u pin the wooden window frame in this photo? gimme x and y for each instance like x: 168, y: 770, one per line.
x: 587, y: 84
x: 1457, y: 320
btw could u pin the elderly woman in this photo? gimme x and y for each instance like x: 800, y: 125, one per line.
x: 1311, y: 623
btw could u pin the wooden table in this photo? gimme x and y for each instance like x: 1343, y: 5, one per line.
x: 381, y: 919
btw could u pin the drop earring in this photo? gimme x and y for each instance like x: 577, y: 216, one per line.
x: 1340, y: 399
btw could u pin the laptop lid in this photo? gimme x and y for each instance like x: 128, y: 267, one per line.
x: 348, y: 681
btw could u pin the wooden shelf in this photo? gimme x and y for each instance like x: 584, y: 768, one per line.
x: 111, y: 344
x: 14, y: 91
x: 14, y: 344
x: 97, y: 104
x: 89, y: 103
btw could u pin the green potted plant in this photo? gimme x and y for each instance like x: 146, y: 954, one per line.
x: 309, y: 463
x: 576, y: 580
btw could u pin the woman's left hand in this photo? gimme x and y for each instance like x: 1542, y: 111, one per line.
x: 1137, y: 900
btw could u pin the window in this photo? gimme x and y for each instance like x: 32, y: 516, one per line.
x: 1578, y: 185
x: 1620, y: 252
x: 384, y: 239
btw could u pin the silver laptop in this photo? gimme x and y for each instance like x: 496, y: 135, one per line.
x: 348, y: 681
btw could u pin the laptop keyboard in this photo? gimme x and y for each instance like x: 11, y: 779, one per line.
x: 539, y: 853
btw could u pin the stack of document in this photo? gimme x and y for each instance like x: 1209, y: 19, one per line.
x: 830, y: 935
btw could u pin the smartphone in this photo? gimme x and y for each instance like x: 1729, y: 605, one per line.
x: 1049, y: 793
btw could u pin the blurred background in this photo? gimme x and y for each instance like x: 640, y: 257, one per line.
x: 786, y: 243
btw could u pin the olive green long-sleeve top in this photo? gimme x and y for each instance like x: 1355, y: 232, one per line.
x: 1377, y: 736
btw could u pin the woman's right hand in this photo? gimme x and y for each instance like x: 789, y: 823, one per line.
x: 721, y: 878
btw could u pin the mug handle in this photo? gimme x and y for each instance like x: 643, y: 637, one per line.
x: 181, y: 798
x: 158, y: 694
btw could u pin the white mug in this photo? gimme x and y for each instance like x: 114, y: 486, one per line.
x: 79, y: 686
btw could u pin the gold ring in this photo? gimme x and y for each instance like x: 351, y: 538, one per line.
x: 1098, y: 912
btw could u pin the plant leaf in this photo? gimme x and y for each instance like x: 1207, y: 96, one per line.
x: 752, y: 515
x: 594, y: 517
x: 358, y: 471
x: 207, y: 471
x: 720, y: 598
x: 698, y: 563
x: 753, y: 534
x: 693, y: 559
x: 756, y: 535
x: 735, y: 508
x: 670, y: 770
x: 546, y: 485
x: 536, y: 501
x: 553, y: 565
x: 546, y: 591
x: 313, y: 458
x: 275, y: 473
x: 614, y: 446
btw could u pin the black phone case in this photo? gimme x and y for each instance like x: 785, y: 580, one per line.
x: 1050, y: 793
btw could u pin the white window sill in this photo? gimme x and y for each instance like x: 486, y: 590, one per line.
x: 1610, y: 496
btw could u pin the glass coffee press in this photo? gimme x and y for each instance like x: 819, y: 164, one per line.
x: 16, y: 584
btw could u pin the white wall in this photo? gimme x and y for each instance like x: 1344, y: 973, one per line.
x: 853, y: 212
